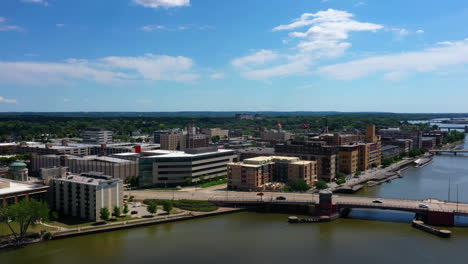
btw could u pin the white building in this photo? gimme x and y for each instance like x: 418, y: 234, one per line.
x: 84, y: 195
x: 97, y: 136
x: 165, y: 167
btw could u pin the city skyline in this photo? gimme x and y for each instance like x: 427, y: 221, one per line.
x: 193, y: 55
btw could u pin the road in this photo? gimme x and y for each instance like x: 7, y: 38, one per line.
x: 220, y: 194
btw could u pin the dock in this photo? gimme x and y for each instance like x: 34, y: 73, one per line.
x: 438, y: 232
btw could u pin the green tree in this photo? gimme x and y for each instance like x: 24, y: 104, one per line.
x: 298, y: 186
x: 125, y: 209
x: 188, y: 181
x: 321, y: 184
x: 167, y: 206
x: 24, y: 213
x: 116, y: 211
x: 358, y: 173
x: 215, y: 139
x: 152, y: 207
x: 104, y: 213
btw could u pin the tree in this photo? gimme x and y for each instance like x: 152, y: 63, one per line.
x: 125, y: 210
x: 116, y: 211
x: 358, y: 173
x: 188, y: 181
x: 298, y: 186
x: 152, y: 207
x: 321, y: 184
x: 215, y: 139
x: 167, y: 206
x: 25, y: 213
x: 104, y: 213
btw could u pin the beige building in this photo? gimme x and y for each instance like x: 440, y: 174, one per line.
x: 348, y: 159
x: 84, y: 195
x: 115, y: 167
x: 254, y: 173
x: 212, y: 132
x: 170, y: 141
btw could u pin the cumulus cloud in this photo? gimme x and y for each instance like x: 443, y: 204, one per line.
x: 325, y: 36
x: 419, y: 31
x: 256, y: 59
x: 42, y: 2
x: 398, y: 66
x: 7, y: 101
x: 109, y: 70
x: 162, y: 3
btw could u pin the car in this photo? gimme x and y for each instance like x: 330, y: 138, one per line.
x: 377, y: 201
x: 425, y: 206
x: 280, y: 198
x: 133, y: 212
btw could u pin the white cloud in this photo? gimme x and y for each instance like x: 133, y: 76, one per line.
x: 7, y: 101
x: 6, y: 27
x: 42, y: 2
x: 217, y: 76
x: 397, y: 66
x: 66, y: 100
x: 419, y: 31
x: 256, y: 59
x: 150, y: 28
x: 59, y: 25
x: 326, y: 37
x: 162, y: 3
x: 109, y: 70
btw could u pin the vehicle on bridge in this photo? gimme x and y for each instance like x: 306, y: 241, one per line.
x: 378, y: 201
x: 424, y: 206
x: 280, y: 198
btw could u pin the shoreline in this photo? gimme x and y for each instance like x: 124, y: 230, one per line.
x: 82, y: 231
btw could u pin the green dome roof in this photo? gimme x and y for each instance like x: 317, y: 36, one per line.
x: 18, y: 165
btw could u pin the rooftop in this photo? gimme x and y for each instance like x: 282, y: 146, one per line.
x: 88, y: 180
x: 10, y: 186
x: 174, y: 153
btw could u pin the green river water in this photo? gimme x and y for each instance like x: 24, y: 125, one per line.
x: 247, y: 237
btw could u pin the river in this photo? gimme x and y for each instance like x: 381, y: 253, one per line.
x: 365, y: 237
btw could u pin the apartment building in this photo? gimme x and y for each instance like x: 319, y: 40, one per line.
x: 12, y: 191
x: 252, y: 174
x: 213, y: 132
x: 325, y: 156
x: 167, y: 167
x: 170, y: 141
x: 84, y: 195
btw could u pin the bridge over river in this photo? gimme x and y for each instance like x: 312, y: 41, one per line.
x: 433, y: 211
x: 454, y: 151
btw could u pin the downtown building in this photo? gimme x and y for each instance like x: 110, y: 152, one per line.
x: 97, y: 136
x: 166, y: 167
x: 255, y: 173
x: 84, y: 195
x: 325, y: 156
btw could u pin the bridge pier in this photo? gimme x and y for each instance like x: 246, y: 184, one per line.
x: 325, y: 207
x: 439, y: 218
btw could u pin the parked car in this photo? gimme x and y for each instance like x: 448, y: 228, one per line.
x: 133, y: 212
x: 377, y: 201
x: 280, y: 198
x: 425, y: 206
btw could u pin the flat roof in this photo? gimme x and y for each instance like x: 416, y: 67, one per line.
x: 162, y: 153
x: 86, y: 180
x: 17, y: 186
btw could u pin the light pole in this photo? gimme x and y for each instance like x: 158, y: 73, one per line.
x: 457, y: 197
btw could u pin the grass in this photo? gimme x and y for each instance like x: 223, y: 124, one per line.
x: 74, y: 222
x: 5, y: 230
x: 212, y: 183
x: 189, y: 205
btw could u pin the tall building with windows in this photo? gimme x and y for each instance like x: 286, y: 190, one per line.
x: 84, y: 195
x: 97, y: 136
x: 166, y: 167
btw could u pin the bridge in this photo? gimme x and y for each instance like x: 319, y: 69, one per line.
x: 433, y: 212
x: 449, y: 128
x: 454, y: 151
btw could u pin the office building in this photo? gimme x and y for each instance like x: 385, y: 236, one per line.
x: 397, y: 133
x: 170, y: 141
x: 348, y: 159
x: 115, y: 167
x: 84, y: 195
x: 390, y: 151
x: 97, y: 136
x: 174, y: 168
x: 213, y: 132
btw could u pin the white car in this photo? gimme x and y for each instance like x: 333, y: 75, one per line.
x: 425, y: 206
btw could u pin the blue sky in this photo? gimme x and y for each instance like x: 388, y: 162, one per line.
x: 222, y: 55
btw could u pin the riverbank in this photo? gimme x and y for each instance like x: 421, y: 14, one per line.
x: 141, y: 222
